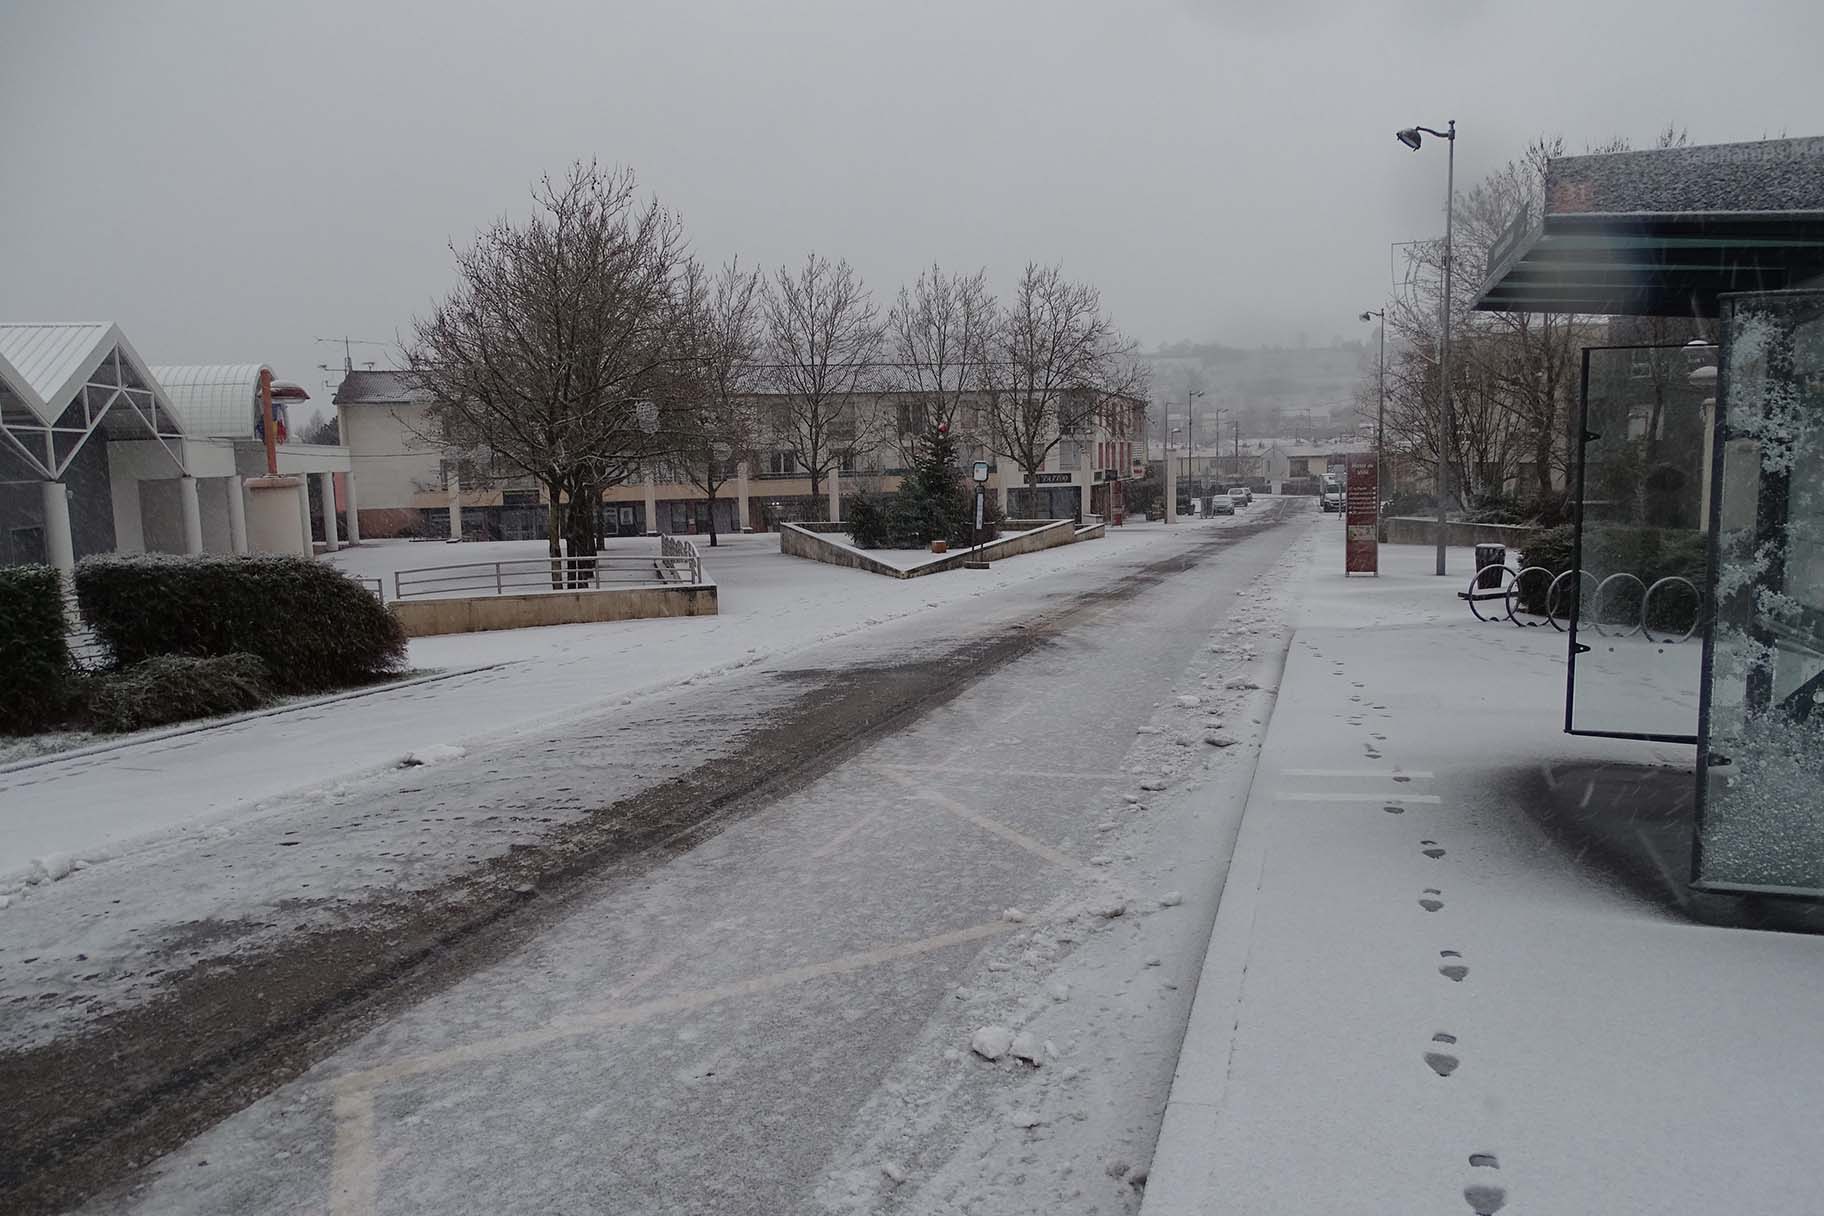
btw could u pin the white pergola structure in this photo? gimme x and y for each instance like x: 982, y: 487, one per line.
x: 61, y: 384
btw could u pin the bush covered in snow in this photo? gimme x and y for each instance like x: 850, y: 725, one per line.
x: 176, y: 688
x: 34, y: 657
x: 313, y: 628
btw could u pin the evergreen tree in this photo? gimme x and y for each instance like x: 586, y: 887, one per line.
x: 935, y: 502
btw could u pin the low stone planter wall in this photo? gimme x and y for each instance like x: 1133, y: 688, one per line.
x: 1410, y: 530
x: 481, y: 613
x: 800, y: 541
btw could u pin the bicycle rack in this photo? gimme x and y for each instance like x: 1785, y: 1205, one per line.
x: 1508, y: 591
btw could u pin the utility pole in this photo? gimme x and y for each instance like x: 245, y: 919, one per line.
x: 1380, y: 414
x: 1444, y: 406
x: 1412, y: 137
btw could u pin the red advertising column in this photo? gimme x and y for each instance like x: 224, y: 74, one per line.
x: 1361, y: 504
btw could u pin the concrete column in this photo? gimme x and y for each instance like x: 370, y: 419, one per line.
x: 354, y: 513
x: 237, y: 514
x: 129, y: 518
x: 1085, y: 511
x: 303, y: 497
x: 328, y: 483
x: 192, y: 513
x: 1004, y: 489
x: 652, y: 506
x: 59, y: 545
x: 455, y: 504
x: 741, y: 504
x: 835, y: 495
x: 273, y: 510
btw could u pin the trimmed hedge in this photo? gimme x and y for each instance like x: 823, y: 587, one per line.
x: 34, y: 652
x: 1648, y: 553
x: 907, y: 521
x: 312, y: 628
x: 176, y: 688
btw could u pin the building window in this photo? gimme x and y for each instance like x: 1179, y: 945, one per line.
x: 781, y: 464
x: 519, y: 498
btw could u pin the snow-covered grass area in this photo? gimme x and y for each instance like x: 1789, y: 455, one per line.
x: 91, y: 807
x: 1419, y: 997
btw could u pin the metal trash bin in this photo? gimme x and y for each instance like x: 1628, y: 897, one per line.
x: 1486, y: 556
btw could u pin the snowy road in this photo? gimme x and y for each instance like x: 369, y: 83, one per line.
x: 773, y: 1012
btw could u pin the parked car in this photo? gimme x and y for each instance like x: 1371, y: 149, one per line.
x: 1241, y: 495
x: 1220, y: 505
x: 1333, y: 500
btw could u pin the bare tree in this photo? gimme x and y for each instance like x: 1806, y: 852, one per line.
x: 560, y: 333
x: 714, y: 424
x: 1056, y: 363
x: 939, y: 331
x: 824, y: 338
x: 1514, y: 373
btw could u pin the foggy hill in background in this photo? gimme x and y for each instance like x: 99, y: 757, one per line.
x: 1297, y: 392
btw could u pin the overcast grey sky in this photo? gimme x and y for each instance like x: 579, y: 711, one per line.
x: 231, y: 180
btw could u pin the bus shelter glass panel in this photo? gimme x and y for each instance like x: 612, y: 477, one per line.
x: 1634, y: 592
x: 1761, y: 789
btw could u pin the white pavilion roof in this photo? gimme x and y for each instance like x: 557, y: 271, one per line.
x: 214, y: 398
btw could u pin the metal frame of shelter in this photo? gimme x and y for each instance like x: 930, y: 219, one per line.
x: 1575, y: 599
x: 47, y: 426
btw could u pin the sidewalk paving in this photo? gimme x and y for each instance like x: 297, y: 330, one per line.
x: 1450, y: 971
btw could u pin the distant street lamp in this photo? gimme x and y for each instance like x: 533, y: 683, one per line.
x: 1380, y: 415
x: 1190, y: 420
x: 1411, y: 138
x: 1171, y: 476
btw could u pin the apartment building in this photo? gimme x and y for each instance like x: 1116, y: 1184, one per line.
x: 405, y: 484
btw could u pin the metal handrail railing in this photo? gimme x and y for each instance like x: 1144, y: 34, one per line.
x: 677, y: 547
x: 542, y: 574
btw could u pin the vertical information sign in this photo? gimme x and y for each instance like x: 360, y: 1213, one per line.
x: 1361, y: 506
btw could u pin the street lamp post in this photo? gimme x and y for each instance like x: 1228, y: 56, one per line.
x: 1380, y: 416
x: 1171, y: 476
x: 1411, y: 138
x: 1190, y: 420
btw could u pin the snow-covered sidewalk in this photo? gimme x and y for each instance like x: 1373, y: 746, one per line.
x: 1433, y: 985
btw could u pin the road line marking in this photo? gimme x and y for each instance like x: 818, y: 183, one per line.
x: 650, y: 971
x: 354, y: 1170
x: 993, y: 827
x: 575, y: 1025
x: 841, y: 838
x: 1416, y: 774
x: 1425, y: 799
x: 1005, y: 772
